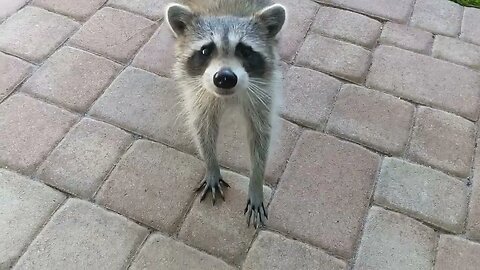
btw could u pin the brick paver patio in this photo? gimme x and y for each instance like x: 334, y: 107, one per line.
x: 375, y: 166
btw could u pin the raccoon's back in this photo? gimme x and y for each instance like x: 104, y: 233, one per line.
x: 240, y: 8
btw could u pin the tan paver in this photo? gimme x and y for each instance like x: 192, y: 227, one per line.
x: 22, y: 33
x: 457, y: 253
x: 80, y: 10
x: 30, y: 129
x: 25, y: 205
x: 275, y: 252
x: 152, y: 184
x: 161, y: 252
x: 83, y: 236
x: 470, y: 30
x: 310, y: 199
x: 221, y: 229
x: 84, y: 157
x: 152, y: 9
x: 72, y: 78
x: 12, y: 71
x: 437, y: 16
x: 457, y: 51
x: 406, y: 37
x: 393, y: 241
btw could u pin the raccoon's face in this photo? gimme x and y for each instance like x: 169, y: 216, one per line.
x: 226, y: 55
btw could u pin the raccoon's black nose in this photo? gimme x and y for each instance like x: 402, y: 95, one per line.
x: 225, y: 78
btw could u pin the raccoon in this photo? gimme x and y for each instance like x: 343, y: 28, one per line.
x: 226, y: 57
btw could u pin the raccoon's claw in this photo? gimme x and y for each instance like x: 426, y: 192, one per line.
x: 213, y: 188
x: 258, y: 212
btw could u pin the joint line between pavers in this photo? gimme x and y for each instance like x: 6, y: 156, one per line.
x: 6, y: 18
x: 133, y: 256
x: 413, y: 124
x: 471, y: 179
x: 330, y: 111
x: 371, y: 16
x: 409, y: 19
x: 294, y: 58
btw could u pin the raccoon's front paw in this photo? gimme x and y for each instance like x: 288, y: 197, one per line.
x: 212, y: 183
x: 256, y: 209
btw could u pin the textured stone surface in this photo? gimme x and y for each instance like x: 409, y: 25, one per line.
x: 426, y: 80
x: 437, y: 16
x: 25, y: 205
x: 83, y: 236
x: 470, y: 30
x: 79, y: 10
x: 147, y: 104
x: 347, y: 26
x: 328, y: 55
x: 152, y: 184
x: 457, y: 253
x: 12, y: 72
x: 84, y: 157
x: 22, y: 33
x: 457, y: 51
x: 315, y: 208
x: 221, y: 229
x: 423, y: 193
x: 394, y: 241
x: 114, y: 33
x: 372, y: 118
x: 308, y: 97
x: 157, y: 55
x: 30, y: 129
x: 160, y: 252
x: 406, y: 37
x: 9, y: 7
x: 443, y: 140
x: 72, y: 78
x: 152, y: 9
x: 473, y: 222
x: 275, y: 252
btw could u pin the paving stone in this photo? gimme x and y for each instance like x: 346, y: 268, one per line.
x: 394, y: 241
x: 457, y: 253
x: 72, y: 78
x: 444, y: 141
x: 426, y: 80
x: 152, y: 9
x: 30, y: 129
x: 147, y: 104
x: 473, y: 222
x: 346, y: 25
x: 114, y: 33
x: 301, y: 13
x: 157, y: 55
x: 406, y: 37
x: 273, y: 251
x: 81, y: 235
x: 470, y: 30
x: 160, y: 252
x: 457, y: 51
x: 372, y: 118
x: 12, y: 72
x: 423, y: 193
x: 315, y: 209
x: 9, y: 7
x: 221, y: 230
x: 22, y: 33
x: 339, y: 58
x: 84, y: 157
x: 438, y: 16
x: 25, y: 205
x: 152, y: 184
x: 389, y: 9
x: 308, y: 97
x: 79, y: 10
x: 233, y: 150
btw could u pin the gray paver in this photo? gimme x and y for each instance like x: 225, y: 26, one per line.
x: 84, y: 157
x: 161, y: 252
x: 423, y: 193
x: 114, y: 33
x: 372, y: 118
x: 438, y: 16
x: 10, y: 6
x: 221, y: 229
x: 406, y: 37
x: 72, y: 78
x: 83, y: 236
x: 473, y: 222
x: 152, y: 9
x: 12, y: 72
x: 457, y: 253
x: 470, y: 30
x: 315, y: 208
x: 426, y: 80
x: 30, y: 129
x: 393, y: 241
x: 275, y: 252
x: 22, y: 33
x: 79, y: 10
x: 25, y: 205
x: 457, y: 51
x: 152, y: 184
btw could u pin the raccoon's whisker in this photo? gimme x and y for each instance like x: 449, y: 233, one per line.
x: 258, y: 81
x: 255, y: 94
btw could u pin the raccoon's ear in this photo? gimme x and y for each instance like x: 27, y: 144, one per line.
x: 273, y: 18
x: 178, y: 17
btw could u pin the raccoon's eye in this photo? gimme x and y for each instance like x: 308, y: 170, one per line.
x: 244, y: 51
x: 207, y: 50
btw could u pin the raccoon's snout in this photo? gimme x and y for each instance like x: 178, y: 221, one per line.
x: 225, y: 78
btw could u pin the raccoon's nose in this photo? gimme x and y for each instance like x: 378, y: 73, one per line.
x: 225, y: 78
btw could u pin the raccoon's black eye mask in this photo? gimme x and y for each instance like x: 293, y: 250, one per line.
x: 252, y: 61
x: 198, y: 62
